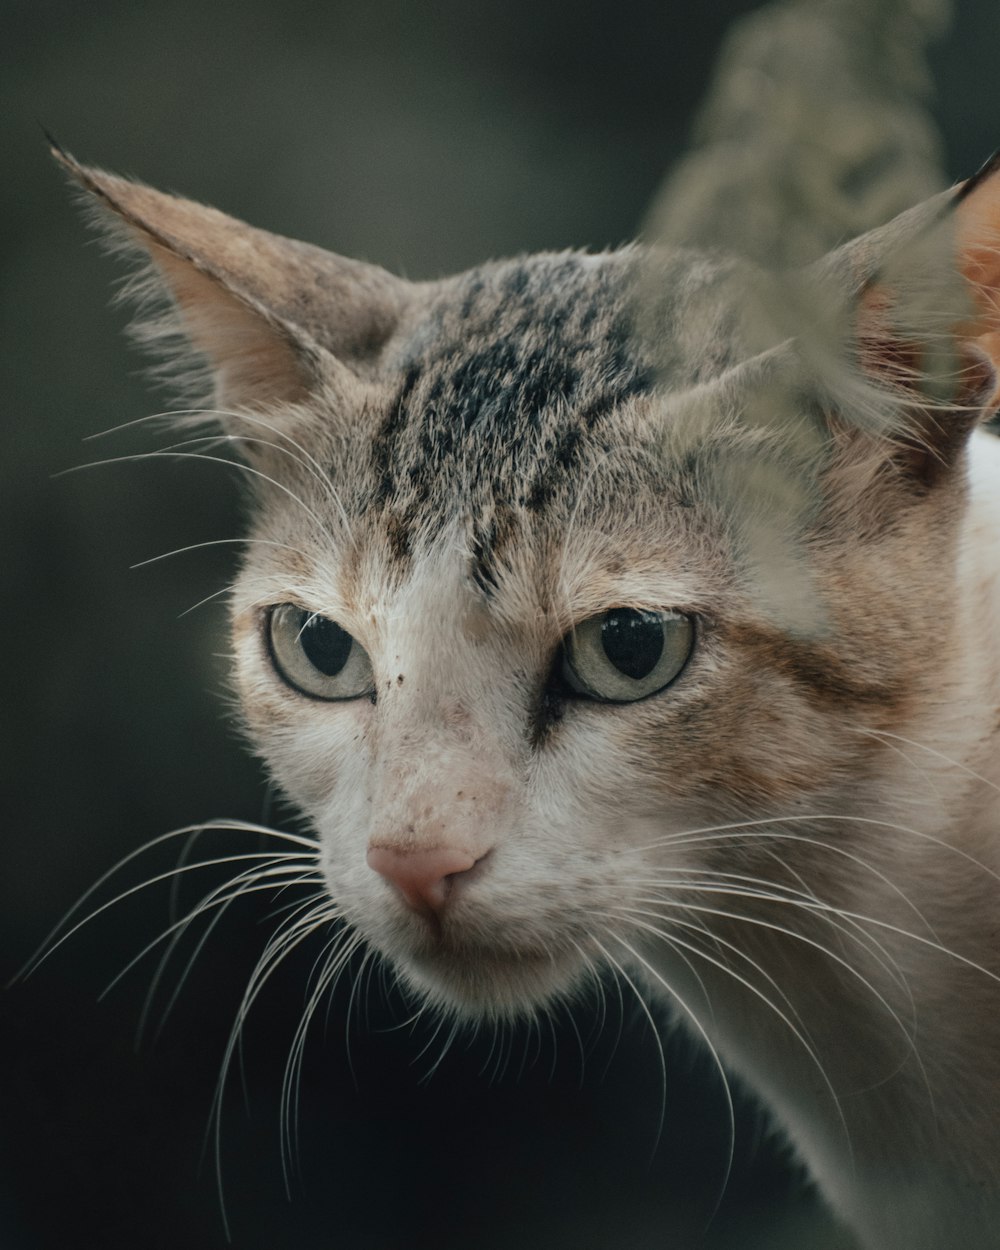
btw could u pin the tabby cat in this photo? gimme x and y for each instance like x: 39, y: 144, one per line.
x: 598, y: 630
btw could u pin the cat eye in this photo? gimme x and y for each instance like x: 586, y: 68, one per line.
x: 317, y: 656
x: 626, y: 654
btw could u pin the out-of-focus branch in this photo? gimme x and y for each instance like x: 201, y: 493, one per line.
x: 814, y: 130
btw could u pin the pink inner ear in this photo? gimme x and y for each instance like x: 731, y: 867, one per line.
x: 977, y: 231
x: 898, y: 357
x: 254, y: 363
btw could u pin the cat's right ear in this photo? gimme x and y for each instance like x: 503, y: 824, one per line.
x: 274, y: 320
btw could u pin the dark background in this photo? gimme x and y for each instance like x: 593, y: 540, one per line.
x: 424, y: 137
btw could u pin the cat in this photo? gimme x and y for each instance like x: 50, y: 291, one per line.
x: 595, y: 629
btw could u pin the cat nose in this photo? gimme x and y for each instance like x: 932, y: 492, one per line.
x: 423, y: 877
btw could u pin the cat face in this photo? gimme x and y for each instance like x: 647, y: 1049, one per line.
x: 486, y: 825
x: 552, y: 581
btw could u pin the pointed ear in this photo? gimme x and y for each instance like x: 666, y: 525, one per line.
x: 977, y: 230
x: 927, y: 323
x: 274, y: 319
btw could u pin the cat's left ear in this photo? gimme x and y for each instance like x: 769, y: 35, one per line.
x: 274, y: 319
x: 927, y: 321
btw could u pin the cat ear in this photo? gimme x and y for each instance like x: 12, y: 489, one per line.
x: 926, y: 323
x: 274, y: 319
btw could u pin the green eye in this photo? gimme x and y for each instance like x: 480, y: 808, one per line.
x: 624, y: 654
x: 317, y: 656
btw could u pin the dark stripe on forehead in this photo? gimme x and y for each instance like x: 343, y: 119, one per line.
x: 627, y: 377
x: 510, y: 376
x: 384, y: 442
x: 490, y: 537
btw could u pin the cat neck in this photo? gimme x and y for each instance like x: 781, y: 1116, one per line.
x: 861, y: 1072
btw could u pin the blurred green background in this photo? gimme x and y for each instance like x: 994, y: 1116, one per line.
x: 424, y: 137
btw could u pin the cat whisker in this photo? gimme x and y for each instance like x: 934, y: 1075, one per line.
x: 885, y: 736
x: 822, y: 909
x: 295, y: 911
x: 531, y: 1048
x: 694, y: 972
x: 277, y: 582
x: 304, y: 457
x: 760, y: 830
x: 487, y: 1070
x: 318, y: 472
x: 334, y: 958
x: 49, y: 944
x: 220, y: 906
x: 246, y: 883
x: 142, y: 456
x: 634, y: 916
x: 305, y: 461
x: 571, y: 1020
x: 760, y: 889
x: 170, y: 418
x: 545, y: 1018
x: 594, y: 977
x: 594, y: 970
x: 277, y: 950
x: 215, y: 542
x: 446, y: 1046
x: 909, y: 1032
x: 353, y: 1004
x: 699, y: 928
x: 621, y: 973
x: 666, y: 900
x: 60, y: 934
x: 696, y: 1023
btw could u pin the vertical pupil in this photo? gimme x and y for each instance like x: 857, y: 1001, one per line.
x: 633, y: 641
x: 325, y: 645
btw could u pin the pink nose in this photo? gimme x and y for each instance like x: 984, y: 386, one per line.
x: 423, y: 877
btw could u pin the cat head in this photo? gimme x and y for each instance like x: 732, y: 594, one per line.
x: 557, y: 562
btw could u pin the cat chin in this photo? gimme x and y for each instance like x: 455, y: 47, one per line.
x: 485, y: 984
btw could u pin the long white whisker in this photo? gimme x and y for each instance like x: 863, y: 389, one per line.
x: 595, y: 973
x: 747, y: 826
x: 213, y: 899
x: 205, y: 457
x: 221, y: 905
x: 49, y: 943
x: 909, y: 1033
x: 305, y: 458
x: 275, y: 953
x: 143, y: 885
x: 620, y: 971
x: 884, y: 734
x: 767, y: 891
x: 215, y: 542
x: 334, y: 957
x: 823, y: 908
x: 700, y: 1028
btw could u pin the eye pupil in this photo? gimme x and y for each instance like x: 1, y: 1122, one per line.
x: 325, y: 645
x: 633, y: 641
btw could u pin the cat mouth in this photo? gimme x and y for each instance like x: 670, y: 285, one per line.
x: 477, y: 980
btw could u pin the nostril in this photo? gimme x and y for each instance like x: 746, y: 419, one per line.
x: 423, y: 877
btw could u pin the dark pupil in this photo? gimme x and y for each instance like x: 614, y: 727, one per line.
x: 325, y: 644
x: 633, y: 641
